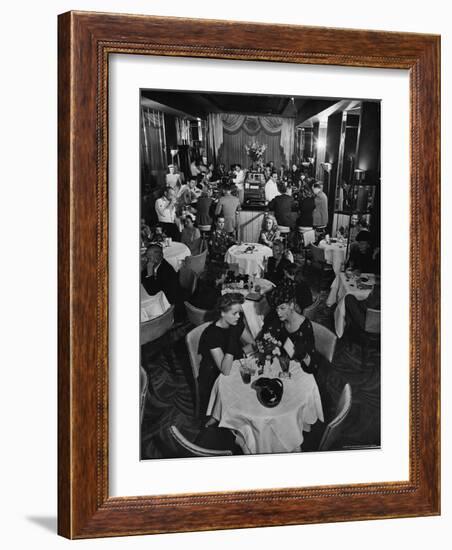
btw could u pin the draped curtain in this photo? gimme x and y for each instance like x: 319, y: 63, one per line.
x: 233, y: 150
x: 234, y: 131
x: 182, y: 130
x: 153, y: 145
x: 214, y: 135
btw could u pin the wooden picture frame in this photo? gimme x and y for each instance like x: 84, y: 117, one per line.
x: 86, y: 40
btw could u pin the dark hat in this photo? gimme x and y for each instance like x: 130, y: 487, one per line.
x: 284, y: 293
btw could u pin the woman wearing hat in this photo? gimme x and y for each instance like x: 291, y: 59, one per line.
x: 292, y: 328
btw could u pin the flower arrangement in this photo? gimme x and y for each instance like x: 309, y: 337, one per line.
x: 255, y: 151
x: 239, y: 278
x: 269, y: 347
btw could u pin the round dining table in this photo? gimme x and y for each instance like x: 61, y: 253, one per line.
x: 259, y: 429
x: 250, y: 257
x: 175, y: 254
x: 335, y: 253
x: 152, y: 306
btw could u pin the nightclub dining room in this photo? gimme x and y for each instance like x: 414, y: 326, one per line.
x: 259, y: 274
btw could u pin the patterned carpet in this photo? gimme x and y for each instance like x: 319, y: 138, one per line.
x: 170, y: 396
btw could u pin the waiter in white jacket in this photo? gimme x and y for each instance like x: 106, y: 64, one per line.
x: 271, y: 188
x: 165, y: 208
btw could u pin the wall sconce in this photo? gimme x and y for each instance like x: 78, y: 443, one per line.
x: 327, y: 166
x: 359, y: 175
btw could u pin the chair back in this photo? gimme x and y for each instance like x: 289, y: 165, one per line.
x: 187, y: 448
x: 187, y: 279
x: 310, y: 310
x: 144, y: 383
x: 334, y: 428
x: 372, y: 323
x: 308, y: 237
x: 153, y: 329
x: 196, y: 263
x: 284, y: 229
x: 204, y: 228
x: 325, y: 341
x: 196, y: 315
x: 317, y: 254
x: 192, y: 341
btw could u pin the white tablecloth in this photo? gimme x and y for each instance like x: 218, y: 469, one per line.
x: 152, y: 306
x: 251, y: 263
x: 260, y: 429
x: 334, y: 254
x: 175, y: 254
x: 339, y: 289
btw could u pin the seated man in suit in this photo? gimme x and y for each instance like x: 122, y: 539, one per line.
x: 277, y: 263
x: 158, y: 274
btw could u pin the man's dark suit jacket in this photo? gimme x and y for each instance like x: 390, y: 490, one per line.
x: 275, y: 272
x: 165, y: 280
x: 282, y: 205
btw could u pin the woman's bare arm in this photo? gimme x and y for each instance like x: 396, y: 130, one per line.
x: 222, y: 360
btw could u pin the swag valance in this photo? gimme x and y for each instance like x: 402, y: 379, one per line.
x: 219, y: 123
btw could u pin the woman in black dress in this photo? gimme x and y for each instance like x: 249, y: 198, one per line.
x: 220, y: 344
x: 293, y: 329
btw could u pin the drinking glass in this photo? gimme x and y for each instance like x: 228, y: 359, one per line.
x: 285, y: 365
x: 245, y: 372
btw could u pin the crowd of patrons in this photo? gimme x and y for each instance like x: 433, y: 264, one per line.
x: 295, y: 199
x: 208, y: 201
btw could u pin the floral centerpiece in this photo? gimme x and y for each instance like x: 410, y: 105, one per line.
x: 236, y: 283
x: 233, y: 278
x: 269, y: 348
x: 256, y: 151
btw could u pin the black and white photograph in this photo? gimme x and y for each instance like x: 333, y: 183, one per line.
x: 259, y: 274
x: 201, y: 193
